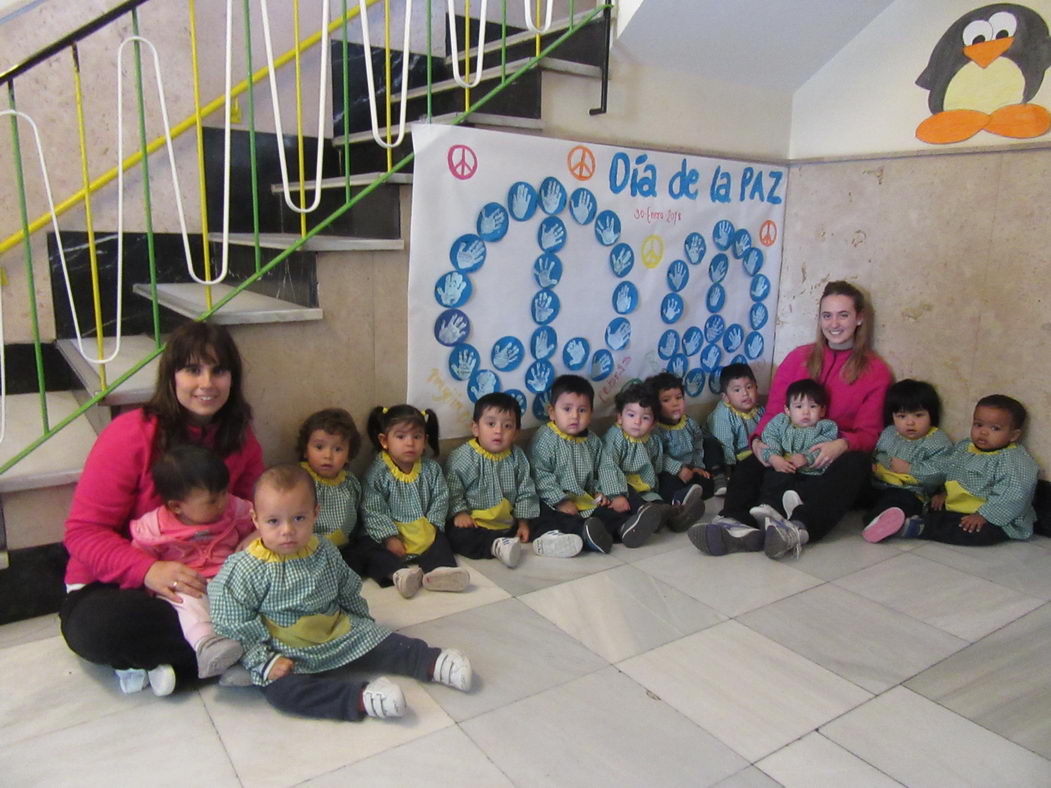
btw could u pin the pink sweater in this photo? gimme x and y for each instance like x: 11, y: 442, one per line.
x: 116, y: 487
x: 857, y: 408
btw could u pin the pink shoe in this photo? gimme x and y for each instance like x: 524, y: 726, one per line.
x: 885, y: 524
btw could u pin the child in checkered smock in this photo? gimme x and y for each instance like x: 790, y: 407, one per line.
x: 683, y: 441
x: 328, y: 440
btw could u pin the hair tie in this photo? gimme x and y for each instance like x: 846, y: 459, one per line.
x: 426, y: 414
x: 385, y: 409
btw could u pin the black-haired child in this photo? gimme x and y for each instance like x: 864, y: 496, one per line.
x: 582, y: 491
x: 989, y: 480
x: 736, y: 416
x: 297, y: 610
x: 328, y: 440
x: 199, y: 525
x: 492, y: 496
x: 912, y: 413
x: 683, y: 441
x: 405, y: 501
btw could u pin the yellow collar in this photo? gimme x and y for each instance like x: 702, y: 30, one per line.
x: 678, y: 425
x: 258, y: 550
x: 564, y: 436
x: 630, y: 439
x: 398, y: 473
x: 746, y: 415
x: 474, y: 444
x: 975, y: 450
x: 334, y: 482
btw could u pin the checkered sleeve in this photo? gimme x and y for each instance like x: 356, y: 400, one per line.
x: 1011, y: 495
x: 773, y: 434
x: 826, y: 430
x: 669, y: 463
x: 235, y: 596
x: 526, y: 502
x: 697, y: 440
x: 349, y: 587
x: 437, y: 492
x: 459, y: 475
x: 375, y: 503
x: 611, y: 480
x: 932, y: 471
x: 545, y: 471
x: 721, y: 425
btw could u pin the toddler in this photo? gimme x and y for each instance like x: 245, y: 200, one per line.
x: 404, y: 504
x: 199, y: 525
x: 736, y: 416
x: 582, y: 492
x: 296, y: 608
x: 682, y: 440
x: 989, y: 483
x: 327, y: 442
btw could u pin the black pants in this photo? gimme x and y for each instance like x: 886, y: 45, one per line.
x: 380, y: 564
x: 330, y: 696
x: 125, y: 628
x: 877, y: 500
x: 672, y: 488
x: 554, y: 520
x: 476, y: 542
x: 942, y: 526
x: 826, y: 498
x: 714, y: 460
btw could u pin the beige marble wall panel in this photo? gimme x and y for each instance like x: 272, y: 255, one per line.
x: 36, y: 517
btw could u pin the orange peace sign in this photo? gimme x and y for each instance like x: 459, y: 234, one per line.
x: 581, y: 163
x: 768, y: 233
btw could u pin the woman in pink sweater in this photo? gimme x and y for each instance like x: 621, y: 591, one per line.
x: 109, y: 615
x: 856, y: 379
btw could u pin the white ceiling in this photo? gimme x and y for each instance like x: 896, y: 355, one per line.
x: 772, y: 44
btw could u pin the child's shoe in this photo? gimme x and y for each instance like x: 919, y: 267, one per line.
x: 595, y: 536
x: 447, y: 578
x: 912, y: 528
x: 690, y: 510
x: 784, y: 537
x: 508, y: 551
x: 886, y: 523
x: 215, y: 654
x: 453, y: 669
x: 641, y: 525
x: 162, y: 680
x: 762, y: 512
x: 790, y: 501
x: 555, y: 544
x: 408, y: 581
x: 725, y: 535
x: 235, y: 676
x: 383, y: 698
x: 719, y: 483
x: 132, y: 680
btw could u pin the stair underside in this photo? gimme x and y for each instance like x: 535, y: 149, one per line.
x: 59, y: 460
x: 319, y: 243
x: 137, y: 389
x: 247, y: 307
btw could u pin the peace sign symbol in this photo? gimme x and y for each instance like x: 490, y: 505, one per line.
x: 652, y: 251
x: 581, y: 163
x: 768, y: 233
x: 463, y: 163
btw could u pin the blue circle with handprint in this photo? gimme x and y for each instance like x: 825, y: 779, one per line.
x: 678, y: 275
x: 452, y: 289
x: 607, y: 228
x: 753, y: 261
x: 671, y: 307
x: 492, y: 222
x: 582, y: 206
x: 540, y: 403
x: 621, y: 259
x: 693, y: 382
x: 742, y: 243
x: 507, y: 353
x: 451, y: 327
x: 618, y: 333
x: 760, y: 288
x: 483, y: 381
x: 713, y: 380
x: 716, y: 298
x: 601, y: 365
x: 521, y: 201
x: 539, y: 376
x: 467, y: 253
x: 463, y: 361
x: 551, y: 234
x: 723, y: 234
x: 733, y: 338
x: 757, y: 316
x: 739, y: 359
x: 547, y: 270
x: 625, y: 298
x: 714, y: 328
x: 678, y: 364
x: 694, y: 248
x: 753, y: 346
x: 692, y: 340
x: 545, y: 306
x: 543, y: 343
x: 718, y: 268
x: 669, y: 344
x: 520, y: 398
x: 575, y: 353
x: 711, y: 357
x: 552, y: 196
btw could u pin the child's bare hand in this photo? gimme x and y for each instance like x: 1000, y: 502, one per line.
x: 798, y: 460
x: 282, y: 667
x: 523, y: 531
x: 898, y: 465
x: 568, y: 507
x: 781, y: 464
x: 938, y: 501
x: 464, y: 520
x: 620, y: 504
x: 396, y: 546
x: 973, y: 523
x: 702, y: 473
x: 685, y: 473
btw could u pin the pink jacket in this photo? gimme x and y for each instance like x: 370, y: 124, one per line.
x: 116, y: 487
x: 857, y: 408
x: 202, y: 547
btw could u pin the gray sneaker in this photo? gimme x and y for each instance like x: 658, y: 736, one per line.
x: 215, y: 654
x: 783, y: 537
x: 555, y: 544
x: 690, y: 510
x: 641, y: 525
x: 508, y: 551
x: 596, y: 537
x: 725, y: 535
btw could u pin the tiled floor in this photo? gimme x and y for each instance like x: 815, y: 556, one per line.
x: 858, y: 664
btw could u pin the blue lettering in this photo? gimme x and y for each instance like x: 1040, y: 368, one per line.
x: 746, y: 178
x: 682, y: 183
x: 771, y: 196
x: 719, y: 190
x: 618, y: 172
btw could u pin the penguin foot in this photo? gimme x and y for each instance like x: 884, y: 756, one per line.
x: 1020, y: 121
x: 954, y: 125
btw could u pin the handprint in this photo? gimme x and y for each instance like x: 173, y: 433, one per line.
x: 544, y: 271
x: 623, y: 300
x: 691, y: 343
x: 713, y: 329
x: 543, y: 308
x: 520, y: 202
x: 677, y: 276
x: 601, y: 365
x: 452, y: 330
x: 491, y: 222
x: 720, y: 267
x: 695, y: 248
x: 551, y: 196
x: 469, y: 257
x: 722, y: 233
x: 760, y: 287
x: 619, y: 337
x: 715, y: 298
x: 607, y: 231
x: 484, y: 384
x: 711, y: 357
x: 622, y: 260
x: 542, y: 348
x: 742, y: 243
x: 755, y: 346
x: 677, y: 366
x: 539, y: 376
x: 463, y: 365
x: 575, y: 352
x: 582, y: 206
x: 505, y: 355
x: 672, y: 309
x: 451, y: 290
x: 667, y: 346
x: 734, y: 337
x: 552, y: 235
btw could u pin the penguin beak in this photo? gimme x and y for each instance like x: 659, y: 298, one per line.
x: 986, y: 52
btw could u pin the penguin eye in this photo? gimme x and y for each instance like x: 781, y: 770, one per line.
x: 977, y: 32
x: 1004, y: 24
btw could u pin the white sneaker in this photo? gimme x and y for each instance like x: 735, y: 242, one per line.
x: 555, y: 544
x: 383, y: 698
x: 790, y: 501
x: 762, y: 511
x: 453, y: 669
x: 162, y: 680
x: 132, y: 680
x: 508, y: 551
x: 783, y: 537
x: 408, y: 581
x: 447, y: 578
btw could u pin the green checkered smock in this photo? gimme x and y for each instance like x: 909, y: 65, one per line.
x: 784, y: 438
x: 310, y: 597
x: 481, y: 480
x: 568, y: 466
x: 338, y: 501
x: 637, y: 460
x: 892, y: 444
x: 682, y: 445
x: 733, y: 429
x: 1003, y: 480
x: 389, y: 498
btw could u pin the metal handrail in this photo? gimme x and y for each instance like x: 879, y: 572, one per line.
x: 529, y: 17
x: 455, y: 47
x: 371, y: 82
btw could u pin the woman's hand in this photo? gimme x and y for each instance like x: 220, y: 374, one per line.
x: 758, y: 447
x: 829, y: 452
x: 168, y: 579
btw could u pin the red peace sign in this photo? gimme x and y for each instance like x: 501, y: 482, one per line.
x: 463, y: 163
x: 581, y: 163
x: 768, y: 233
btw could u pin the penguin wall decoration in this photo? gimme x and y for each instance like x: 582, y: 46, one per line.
x: 983, y: 73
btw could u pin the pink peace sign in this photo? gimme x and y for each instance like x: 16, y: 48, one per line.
x: 463, y: 163
x: 768, y: 233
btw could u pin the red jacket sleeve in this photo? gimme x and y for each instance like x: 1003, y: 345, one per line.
x: 246, y: 465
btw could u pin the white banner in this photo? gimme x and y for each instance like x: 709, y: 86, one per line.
x: 531, y: 257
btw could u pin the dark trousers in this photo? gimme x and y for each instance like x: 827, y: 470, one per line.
x: 714, y: 461
x: 877, y: 500
x: 554, y: 520
x: 476, y: 542
x: 942, y: 526
x: 380, y: 564
x: 125, y: 628
x: 826, y: 498
x: 673, y: 489
x: 331, y: 696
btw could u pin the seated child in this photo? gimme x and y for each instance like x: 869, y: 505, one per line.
x: 327, y: 442
x: 638, y: 453
x: 296, y: 608
x: 736, y: 416
x: 492, y: 497
x: 582, y: 492
x: 404, y: 505
x: 199, y: 525
x: 911, y: 411
x: 682, y: 439
x: 989, y: 484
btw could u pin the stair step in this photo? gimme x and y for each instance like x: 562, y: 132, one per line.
x: 319, y: 243
x: 488, y: 74
x: 357, y: 179
x: 474, y: 119
x: 59, y: 460
x: 136, y: 389
x: 557, y: 26
x: 570, y: 67
x: 187, y: 298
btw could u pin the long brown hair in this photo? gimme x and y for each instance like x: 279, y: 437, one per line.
x: 861, y: 351
x: 189, y: 343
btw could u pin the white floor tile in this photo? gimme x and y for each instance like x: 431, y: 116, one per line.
x: 537, y: 572
x: 19, y: 632
x: 1019, y: 565
x: 388, y: 607
x: 816, y: 762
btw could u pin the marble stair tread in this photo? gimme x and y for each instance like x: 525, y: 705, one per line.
x: 474, y: 119
x: 319, y: 243
x: 136, y: 389
x: 246, y: 307
x: 339, y: 182
x: 494, y: 45
x: 59, y: 460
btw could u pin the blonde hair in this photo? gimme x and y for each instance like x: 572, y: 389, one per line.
x: 861, y: 351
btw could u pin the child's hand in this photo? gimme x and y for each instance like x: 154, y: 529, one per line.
x: 702, y: 473
x: 620, y: 504
x: 685, y: 473
x: 464, y: 520
x: 938, y: 501
x: 973, y: 523
x: 396, y: 546
x: 568, y: 507
x: 898, y: 465
x: 523, y: 531
x: 600, y: 499
x: 282, y: 667
x: 798, y: 460
x: 758, y: 447
x: 780, y: 464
